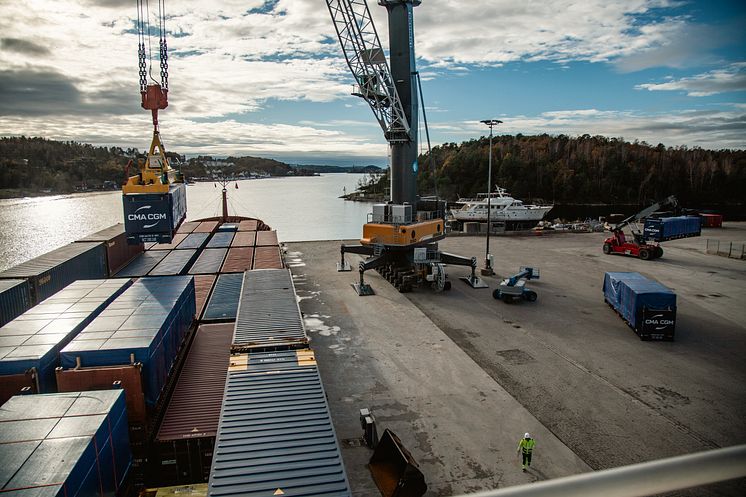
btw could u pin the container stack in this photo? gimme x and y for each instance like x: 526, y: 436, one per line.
x: 67, y: 444
x: 672, y: 228
x: 648, y: 307
x: 184, y: 444
x: 143, y: 264
x: 54, y: 270
x: 15, y: 299
x: 31, y: 343
x: 118, y: 251
x: 275, y: 434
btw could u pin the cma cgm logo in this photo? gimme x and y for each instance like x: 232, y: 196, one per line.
x: 147, y: 216
x: 659, y: 323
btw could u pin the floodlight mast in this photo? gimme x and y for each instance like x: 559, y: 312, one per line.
x: 390, y: 92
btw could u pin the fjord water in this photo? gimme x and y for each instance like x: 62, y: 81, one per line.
x: 303, y: 208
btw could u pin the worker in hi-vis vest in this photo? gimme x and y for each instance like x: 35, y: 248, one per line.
x: 525, y: 448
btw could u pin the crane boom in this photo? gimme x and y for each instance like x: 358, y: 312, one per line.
x: 367, y: 61
x: 671, y: 200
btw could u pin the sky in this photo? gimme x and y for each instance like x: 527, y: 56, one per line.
x: 268, y: 78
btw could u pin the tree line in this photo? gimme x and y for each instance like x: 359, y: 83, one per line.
x: 585, y: 169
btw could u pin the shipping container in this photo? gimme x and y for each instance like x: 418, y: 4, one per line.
x: 244, y: 239
x: 648, y: 307
x: 193, y: 241
x: 671, y: 228
x: 248, y: 225
x: 220, y: 240
x: 178, y: 238
x: 65, y: 444
x: 15, y: 299
x: 268, y: 316
x: 203, y: 284
x: 228, y: 227
x: 30, y: 344
x: 209, y: 261
x: 188, y: 227
x: 142, y: 264
x: 206, y: 227
x: 186, y: 437
x: 175, y: 263
x: 239, y: 259
x: 266, y: 238
x: 118, y: 251
x: 267, y: 258
x: 712, y: 220
x: 275, y: 434
x: 154, y: 217
x: 223, y: 302
x: 195, y: 490
x: 55, y: 270
x: 146, y: 324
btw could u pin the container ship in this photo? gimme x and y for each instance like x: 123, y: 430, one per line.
x: 162, y: 364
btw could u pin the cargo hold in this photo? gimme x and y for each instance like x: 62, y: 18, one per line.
x: 185, y: 440
x: 33, y: 340
x: 275, y: 431
x: 66, y: 444
x: 55, y: 270
x: 146, y: 324
x: 223, y: 303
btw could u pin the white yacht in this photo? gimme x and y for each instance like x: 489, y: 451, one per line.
x: 503, y: 208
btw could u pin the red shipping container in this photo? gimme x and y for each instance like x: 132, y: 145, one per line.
x: 177, y: 239
x: 712, y: 220
x: 118, y: 251
x: 202, y: 287
x: 248, y: 225
x: 244, y: 239
x: 267, y: 258
x: 188, y: 227
x: 206, y: 227
x: 266, y: 238
x: 239, y: 259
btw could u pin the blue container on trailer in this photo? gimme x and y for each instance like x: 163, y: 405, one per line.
x: 51, y: 272
x: 15, y: 299
x: 671, y: 228
x: 66, y: 444
x: 648, y: 307
x: 33, y: 340
x: 149, y: 321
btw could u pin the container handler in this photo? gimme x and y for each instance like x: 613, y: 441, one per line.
x: 154, y: 199
x: 639, y: 246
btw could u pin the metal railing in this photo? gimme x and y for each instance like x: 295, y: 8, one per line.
x: 639, y: 480
x: 734, y: 250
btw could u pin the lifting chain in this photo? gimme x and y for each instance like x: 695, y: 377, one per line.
x: 143, y: 67
x: 164, y: 64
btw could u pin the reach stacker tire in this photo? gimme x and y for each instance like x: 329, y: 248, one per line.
x: 607, y: 248
x: 645, y: 254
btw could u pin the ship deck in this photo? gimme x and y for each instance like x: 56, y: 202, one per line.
x: 459, y: 376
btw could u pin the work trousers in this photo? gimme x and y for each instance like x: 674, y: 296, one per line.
x: 526, y: 459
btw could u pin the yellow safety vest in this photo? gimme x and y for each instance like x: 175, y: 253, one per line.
x: 527, y: 445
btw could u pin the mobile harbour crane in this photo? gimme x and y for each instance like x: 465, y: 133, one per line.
x: 400, y: 239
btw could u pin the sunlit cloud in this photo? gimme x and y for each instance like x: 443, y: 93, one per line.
x: 729, y: 79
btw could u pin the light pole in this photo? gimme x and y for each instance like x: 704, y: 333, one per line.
x: 488, y: 271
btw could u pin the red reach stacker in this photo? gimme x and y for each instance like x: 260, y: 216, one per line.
x: 639, y: 246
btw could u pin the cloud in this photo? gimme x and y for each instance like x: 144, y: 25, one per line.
x: 706, y: 128
x: 729, y: 79
x: 25, y: 47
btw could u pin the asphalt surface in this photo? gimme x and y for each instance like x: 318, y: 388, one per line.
x: 459, y: 376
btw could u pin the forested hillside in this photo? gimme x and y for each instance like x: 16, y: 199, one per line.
x: 587, y: 169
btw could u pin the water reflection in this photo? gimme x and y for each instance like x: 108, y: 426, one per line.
x: 299, y: 208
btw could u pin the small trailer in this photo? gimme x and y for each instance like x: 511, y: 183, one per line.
x: 648, y: 307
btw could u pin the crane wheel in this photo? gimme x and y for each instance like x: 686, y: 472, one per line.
x: 607, y: 248
x: 645, y: 254
x: 530, y: 296
x: 658, y: 252
x: 496, y: 294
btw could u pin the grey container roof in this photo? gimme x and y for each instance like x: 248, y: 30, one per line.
x: 193, y: 241
x: 174, y: 263
x: 223, y: 302
x: 142, y: 264
x: 209, y: 261
x: 105, y: 234
x: 276, y: 433
x: 48, y: 261
x: 268, y: 314
x: 221, y: 239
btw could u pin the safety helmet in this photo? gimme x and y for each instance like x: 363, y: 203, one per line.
x: 526, y: 435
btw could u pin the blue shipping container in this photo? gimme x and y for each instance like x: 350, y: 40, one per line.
x: 671, y: 228
x: 33, y: 340
x: 154, y: 217
x: 193, y: 241
x: 175, y: 263
x: 148, y: 321
x: 55, y: 270
x: 65, y: 444
x: 647, y: 306
x: 275, y: 431
x: 223, y: 304
x: 15, y: 299
x: 142, y: 264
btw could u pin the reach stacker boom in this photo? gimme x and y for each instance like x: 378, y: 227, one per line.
x: 400, y: 238
x: 639, y: 246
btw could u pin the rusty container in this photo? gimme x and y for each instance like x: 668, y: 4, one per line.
x: 267, y: 258
x: 188, y: 227
x: 239, y: 259
x: 206, y: 227
x: 203, y: 284
x: 248, y: 225
x: 266, y: 238
x: 244, y: 239
x: 118, y: 251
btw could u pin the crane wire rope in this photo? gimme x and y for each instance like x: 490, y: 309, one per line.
x: 433, y: 167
